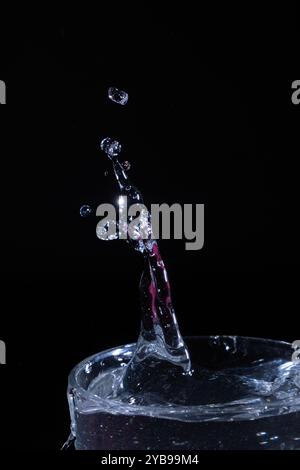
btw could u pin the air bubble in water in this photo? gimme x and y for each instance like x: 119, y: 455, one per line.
x: 85, y: 210
x: 111, y: 147
x: 118, y: 96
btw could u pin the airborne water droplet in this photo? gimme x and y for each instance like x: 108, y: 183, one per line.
x: 85, y: 210
x: 118, y: 96
x: 111, y: 147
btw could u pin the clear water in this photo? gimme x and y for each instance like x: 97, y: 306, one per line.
x: 247, y: 380
x: 215, y: 379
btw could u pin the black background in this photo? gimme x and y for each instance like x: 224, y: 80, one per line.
x: 209, y: 120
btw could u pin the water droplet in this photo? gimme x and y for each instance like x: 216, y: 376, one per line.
x: 111, y: 147
x: 126, y: 165
x: 88, y: 368
x: 106, y: 173
x: 118, y: 96
x: 85, y: 210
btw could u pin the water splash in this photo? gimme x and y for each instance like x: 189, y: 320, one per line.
x: 160, y: 339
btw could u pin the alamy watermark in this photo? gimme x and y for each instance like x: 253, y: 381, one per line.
x: 296, y: 92
x: 162, y: 222
x: 2, y: 352
x: 2, y: 92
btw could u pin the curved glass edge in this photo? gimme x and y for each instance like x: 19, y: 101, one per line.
x: 199, y: 413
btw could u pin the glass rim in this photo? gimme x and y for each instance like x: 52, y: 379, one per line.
x: 229, y: 411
